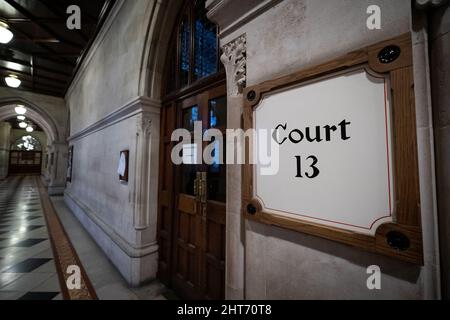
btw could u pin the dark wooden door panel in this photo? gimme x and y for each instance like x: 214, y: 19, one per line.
x: 25, y: 162
x: 215, y: 251
x: 191, y: 227
x: 166, y: 194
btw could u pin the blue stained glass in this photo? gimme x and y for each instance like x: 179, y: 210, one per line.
x: 213, y: 118
x: 216, y: 154
x: 190, y: 115
x: 218, y: 112
x: 194, y: 116
x: 196, y: 54
x: 184, y: 52
x: 205, y: 46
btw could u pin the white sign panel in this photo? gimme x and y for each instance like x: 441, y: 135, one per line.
x: 335, y: 164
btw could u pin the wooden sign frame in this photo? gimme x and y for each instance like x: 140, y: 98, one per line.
x: 401, y: 239
x: 70, y: 164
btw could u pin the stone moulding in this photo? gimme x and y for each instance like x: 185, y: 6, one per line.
x: 231, y: 15
x: 130, y: 109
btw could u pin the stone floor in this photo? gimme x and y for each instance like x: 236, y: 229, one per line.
x: 107, y: 281
x: 27, y: 267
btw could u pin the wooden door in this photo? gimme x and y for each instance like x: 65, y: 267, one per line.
x: 25, y: 162
x: 192, y: 239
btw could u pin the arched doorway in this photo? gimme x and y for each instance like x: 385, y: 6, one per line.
x: 25, y: 157
x: 192, y: 197
x: 53, y: 160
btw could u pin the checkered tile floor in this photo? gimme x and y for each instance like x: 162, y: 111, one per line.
x: 27, y: 268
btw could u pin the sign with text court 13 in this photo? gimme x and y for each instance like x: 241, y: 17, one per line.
x: 335, y: 158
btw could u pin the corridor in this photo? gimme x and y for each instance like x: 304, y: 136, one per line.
x: 39, y: 239
x: 27, y: 266
x: 224, y: 150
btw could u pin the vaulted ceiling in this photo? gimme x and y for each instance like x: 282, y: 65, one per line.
x: 44, y: 53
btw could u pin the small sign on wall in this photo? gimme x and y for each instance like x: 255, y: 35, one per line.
x: 69, y: 164
x: 347, y: 152
x: 122, y: 170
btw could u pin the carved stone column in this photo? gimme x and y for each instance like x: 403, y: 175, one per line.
x: 145, y: 195
x: 5, y: 131
x: 46, y: 166
x: 143, y: 162
x: 58, y: 170
x: 436, y: 30
x: 234, y: 60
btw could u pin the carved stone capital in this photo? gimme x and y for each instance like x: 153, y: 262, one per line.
x: 143, y: 125
x: 234, y: 58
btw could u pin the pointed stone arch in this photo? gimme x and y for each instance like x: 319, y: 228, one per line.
x: 34, y: 112
x: 55, y: 176
x: 161, y: 22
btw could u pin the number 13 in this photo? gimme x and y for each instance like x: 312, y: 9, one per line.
x: 315, y: 170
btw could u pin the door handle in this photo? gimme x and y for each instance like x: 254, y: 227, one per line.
x: 197, y: 187
x: 203, y: 187
x: 200, y: 187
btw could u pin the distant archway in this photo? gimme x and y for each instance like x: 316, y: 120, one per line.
x: 34, y: 112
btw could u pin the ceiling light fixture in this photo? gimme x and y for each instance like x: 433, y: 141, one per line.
x: 21, y: 118
x: 23, y: 125
x: 12, y: 81
x: 20, y: 109
x: 5, y: 34
x: 30, y: 129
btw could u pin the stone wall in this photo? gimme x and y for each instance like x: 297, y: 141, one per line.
x: 265, y: 262
x: 110, y: 115
x: 440, y: 80
x: 114, y: 106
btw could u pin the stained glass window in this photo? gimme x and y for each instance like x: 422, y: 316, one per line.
x: 205, y: 39
x: 27, y: 143
x: 195, y: 46
x: 190, y: 115
x: 218, y: 112
x: 184, y: 51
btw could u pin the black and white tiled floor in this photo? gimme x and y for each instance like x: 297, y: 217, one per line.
x: 27, y: 268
